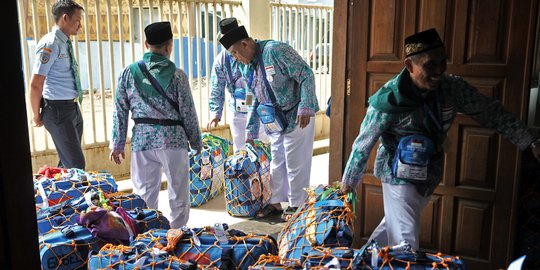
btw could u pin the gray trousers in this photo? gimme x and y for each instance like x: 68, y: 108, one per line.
x: 65, y: 124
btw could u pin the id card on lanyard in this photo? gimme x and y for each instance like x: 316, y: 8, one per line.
x: 241, y: 98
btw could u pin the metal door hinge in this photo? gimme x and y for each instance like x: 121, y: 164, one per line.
x: 348, y: 87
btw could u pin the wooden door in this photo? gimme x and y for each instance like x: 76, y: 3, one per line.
x: 489, y: 43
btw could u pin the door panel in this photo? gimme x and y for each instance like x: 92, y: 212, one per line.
x: 487, y: 31
x: 489, y: 43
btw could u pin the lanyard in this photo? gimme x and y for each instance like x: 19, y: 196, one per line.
x: 250, y: 79
x: 437, y: 119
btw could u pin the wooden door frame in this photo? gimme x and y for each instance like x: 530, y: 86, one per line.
x: 345, y: 123
x: 338, y: 86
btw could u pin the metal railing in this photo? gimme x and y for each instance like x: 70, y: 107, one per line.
x: 307, y: 29
x: 111, y: 38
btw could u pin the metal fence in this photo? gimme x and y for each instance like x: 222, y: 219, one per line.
x: 111, y: 35
x: 307, y: 28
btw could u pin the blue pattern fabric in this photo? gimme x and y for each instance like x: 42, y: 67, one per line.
x: 292, y: 82
x: 155, y: 137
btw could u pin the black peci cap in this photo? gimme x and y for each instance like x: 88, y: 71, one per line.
x: 422, y: 42
x: 157, y: 33
x: 231, y: 32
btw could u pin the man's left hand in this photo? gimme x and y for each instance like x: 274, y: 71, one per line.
x: 115, y: 156
x: 303, y: 120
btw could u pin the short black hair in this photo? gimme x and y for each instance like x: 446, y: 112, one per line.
x: 161, y: 45
x: 62, y: 7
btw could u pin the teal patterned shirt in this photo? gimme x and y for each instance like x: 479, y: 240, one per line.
x: 291, y: 79
x: 221, y: 80
x: 155, y: 137
x: 458, y: 96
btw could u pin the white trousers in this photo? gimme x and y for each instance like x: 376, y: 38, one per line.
x: 291, y: 164
x: 238, y: 130
x: 146, y: 169
x: 402, y: 208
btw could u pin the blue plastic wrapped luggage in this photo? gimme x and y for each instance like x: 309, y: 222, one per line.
x: 136, y: 257
x: 334, y: 258
x: 206, y: 171
x: 274, y: 262
x: 325, y: 219
x: 68, y: 247
x: 67, y: 212
x: 247, y: 180
x: 213, y: 246
x: 72, y: 183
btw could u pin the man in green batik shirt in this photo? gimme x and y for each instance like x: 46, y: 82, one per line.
x: 163, y: 131
x: 411, y: 115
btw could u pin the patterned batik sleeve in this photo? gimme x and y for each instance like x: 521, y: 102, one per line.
x: 188, y: 112
x: 374, y: 124
x: 218, y: 83
x: 254, y: 123
x: 299, y: 70
x: 121, y: 113
x: 490, y: 113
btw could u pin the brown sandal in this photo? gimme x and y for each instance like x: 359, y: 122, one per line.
x: 267, y: 211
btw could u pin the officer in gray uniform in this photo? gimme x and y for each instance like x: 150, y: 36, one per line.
x: 55, y: 86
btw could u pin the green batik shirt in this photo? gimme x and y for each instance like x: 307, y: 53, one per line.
x: 389, y: 127
x: 291, y: 79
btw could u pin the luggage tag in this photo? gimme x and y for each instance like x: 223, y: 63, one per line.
x: 206, y: 166
x: 217, y: 155
x: 249, y: 99
x: 251, y: 153
x: 220, y: 233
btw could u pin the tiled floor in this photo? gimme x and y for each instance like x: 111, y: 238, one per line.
x: 214, y: 211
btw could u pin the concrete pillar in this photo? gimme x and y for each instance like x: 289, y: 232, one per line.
x: 255, y: 16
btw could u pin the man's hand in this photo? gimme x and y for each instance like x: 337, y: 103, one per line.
x: 345, y: 189
x: 37, y: 120
x: 214, y: 121
x: 303, y: 120
x: 115, y: 156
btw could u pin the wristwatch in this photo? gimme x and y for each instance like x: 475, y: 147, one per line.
x: 535, y: 144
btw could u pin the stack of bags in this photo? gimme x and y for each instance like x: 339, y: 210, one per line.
x: 320, y: 233
x: 79, y: 212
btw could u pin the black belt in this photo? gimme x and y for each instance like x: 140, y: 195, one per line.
x: 161, y: 122
x: 59, y: 102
